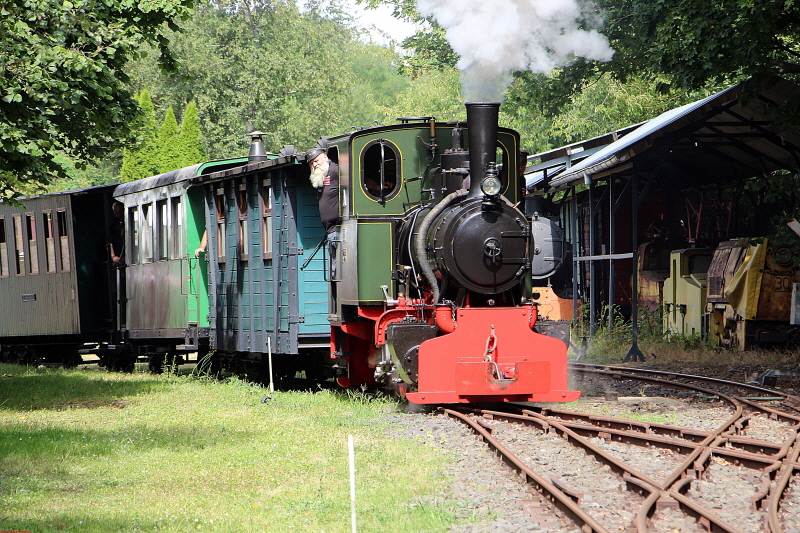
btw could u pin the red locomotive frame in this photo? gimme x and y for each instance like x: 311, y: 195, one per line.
x: 485, y: 354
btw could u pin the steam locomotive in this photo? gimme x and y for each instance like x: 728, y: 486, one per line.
x: 429, y: 292
x: 434, y: 293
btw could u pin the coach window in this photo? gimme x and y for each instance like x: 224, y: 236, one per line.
x: 33, y: 249
x: 241, y: 204
x: 133, y: 232
x: 3, y: 249
x: 380, y: 169
x: 177, y: 228
x: 221, y: 241
x: 49, y: 242
x: 162, y: 225
x: 19, y: 245
x: 147, y: 233
x: 63, y: 240
x: 266, y: 217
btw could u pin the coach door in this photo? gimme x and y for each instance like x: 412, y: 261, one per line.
x: 195, y: 263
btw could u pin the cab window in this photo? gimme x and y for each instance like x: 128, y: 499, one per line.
x: 380, y: 170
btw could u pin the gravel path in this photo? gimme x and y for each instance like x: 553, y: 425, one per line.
x: 486, y: 499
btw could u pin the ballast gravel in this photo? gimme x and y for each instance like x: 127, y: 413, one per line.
x: 487, y: 497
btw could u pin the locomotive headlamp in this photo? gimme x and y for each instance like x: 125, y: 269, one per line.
x: 491, y: 186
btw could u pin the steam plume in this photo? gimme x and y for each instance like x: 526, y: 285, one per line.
x: 496, y: 37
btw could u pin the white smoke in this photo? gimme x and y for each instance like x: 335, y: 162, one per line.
x: 495, y: 37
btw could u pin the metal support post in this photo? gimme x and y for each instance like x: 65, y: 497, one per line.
x: 634, y: 354
x: 592, y: 265
x: 610, y: 251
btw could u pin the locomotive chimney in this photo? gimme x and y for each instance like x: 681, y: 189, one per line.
x: 482, y: 124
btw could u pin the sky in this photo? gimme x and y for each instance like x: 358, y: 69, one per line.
x: 382, y: 19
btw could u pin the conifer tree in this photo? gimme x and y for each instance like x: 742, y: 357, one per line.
x: 140, y: 162
x: 169, y: 150
x: 191, y: 143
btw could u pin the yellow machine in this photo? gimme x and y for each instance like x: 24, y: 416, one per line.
x: 685, y: 291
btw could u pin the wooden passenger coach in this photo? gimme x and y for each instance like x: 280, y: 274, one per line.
x: 56, y: 281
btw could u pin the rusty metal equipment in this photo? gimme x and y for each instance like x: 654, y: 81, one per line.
x: 750, y: 286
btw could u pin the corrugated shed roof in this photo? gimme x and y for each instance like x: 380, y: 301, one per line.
x: 718, y: 137
x: 551, y: 163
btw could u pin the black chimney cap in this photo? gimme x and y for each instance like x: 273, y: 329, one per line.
x: 257, y: 152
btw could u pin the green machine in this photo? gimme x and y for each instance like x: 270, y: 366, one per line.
x: 685, y: 291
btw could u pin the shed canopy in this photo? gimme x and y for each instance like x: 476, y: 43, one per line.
x: 730, y: 135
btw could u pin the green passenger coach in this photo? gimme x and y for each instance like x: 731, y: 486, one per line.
x: 165, y: 303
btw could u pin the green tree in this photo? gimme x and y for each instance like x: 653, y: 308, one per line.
x: 436, y: 94
x: 190, y: 140
x: 430, y: 52
x: 694, y: 43
x: 107, y: 170
x: 689, y: 43
x: 599, y: 106
x: 295, y: 75
x: 139, y: 160
x: 169, y: 154
x: 428, y: 49
x: 62, y: 86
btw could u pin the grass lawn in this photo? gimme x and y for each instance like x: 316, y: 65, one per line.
x: 90, y: 451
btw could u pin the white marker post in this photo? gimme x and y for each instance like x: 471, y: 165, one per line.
x: 352, y: 482
x: 269, y: 354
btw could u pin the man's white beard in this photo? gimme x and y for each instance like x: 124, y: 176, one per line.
x: 318, y: 175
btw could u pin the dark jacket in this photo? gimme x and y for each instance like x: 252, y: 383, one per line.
x: 329, y: 199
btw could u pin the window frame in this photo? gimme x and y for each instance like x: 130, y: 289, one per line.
x: 220, y: 205
x: 4, y: 265
x: 395, y: 191
x: 266, y: 218
x: 19, y: 243
x: 64, y: 243
x: 31, y: 243
x: 49, y: 242
x: 243, y: 212
x: 504, y: 164
x: 161, y: 227
x: 176, y: 227
x: 133, y: 234
x: 147, y: 238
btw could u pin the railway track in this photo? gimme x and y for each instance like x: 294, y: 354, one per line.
x: 733, y: 471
